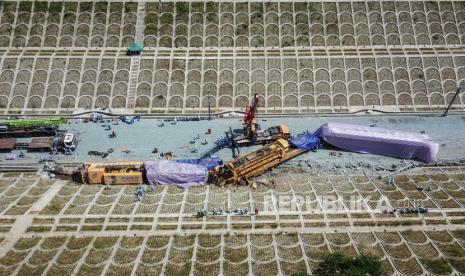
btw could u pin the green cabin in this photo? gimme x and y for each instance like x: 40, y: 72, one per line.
x: 135, y: 49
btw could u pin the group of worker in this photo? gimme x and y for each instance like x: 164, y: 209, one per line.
x: 221, y: 212
x: 391, y: 181
x: 141, y: 191
x: 418, y: 210
x: 108, y: 128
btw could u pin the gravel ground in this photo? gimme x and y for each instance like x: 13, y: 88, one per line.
x: 140, y: 138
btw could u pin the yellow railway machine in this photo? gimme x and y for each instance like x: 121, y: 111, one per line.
x: 121, y: 173
x: 252, y: 164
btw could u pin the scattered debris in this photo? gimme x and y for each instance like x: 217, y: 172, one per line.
x: 404, y: 168
x: 130, y: 120
x: 98, y: 153
x: 95, y: 117
x: 10, y: 156
x: 44, y: 159
x: 167, y: 155
x: 223, y: 142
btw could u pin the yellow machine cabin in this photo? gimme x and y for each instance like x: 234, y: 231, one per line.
x: 255, y: 163
x: 113, y: 173
x: 263, y: 136
x: 281, y: 131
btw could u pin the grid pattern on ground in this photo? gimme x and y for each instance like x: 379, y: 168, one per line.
x: 439, y: 190
x: 405, y: 252
x: 297, y: 24
x: 346, y: 56
x: 406, y: 79
x: 92, y: 230
x: 226, y: 24
x: 70, y: 24
x: 50, y: 83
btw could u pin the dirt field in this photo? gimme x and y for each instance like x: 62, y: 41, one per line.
x: 51, y: 226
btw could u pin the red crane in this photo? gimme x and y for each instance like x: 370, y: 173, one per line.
x: 249, y: 118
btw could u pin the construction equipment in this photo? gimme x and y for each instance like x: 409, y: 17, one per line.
x: 65, y: 143
x: 241, y: 169
x: 250, y: 121
x: 18, y: 128
x: 40, y: 144
x: 6, y: 132
x: 69, y: 141
x: 32, y: 123
x: 113, y: 173
x: 251, y: 133
x: 264, y: 136
x: 35, y: 144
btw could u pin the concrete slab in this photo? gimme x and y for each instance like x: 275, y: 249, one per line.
x: 16, y: 232
x: 47, y: 197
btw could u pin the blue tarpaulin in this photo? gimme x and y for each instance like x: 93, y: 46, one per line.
x: 307, y: 141
x: 129, y: 120
x: 210, y: 163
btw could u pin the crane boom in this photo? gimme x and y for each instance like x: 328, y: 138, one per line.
x: 249, y: 118
x: 251, y: 110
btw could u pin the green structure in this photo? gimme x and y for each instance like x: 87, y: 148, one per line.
x: 33, y: 123
x: 135, y: 49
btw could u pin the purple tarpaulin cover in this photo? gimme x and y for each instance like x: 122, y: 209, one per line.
x: 167, y: 172
x: 375, y: 140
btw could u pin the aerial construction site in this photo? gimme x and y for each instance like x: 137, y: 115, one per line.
x: 232, y: 138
